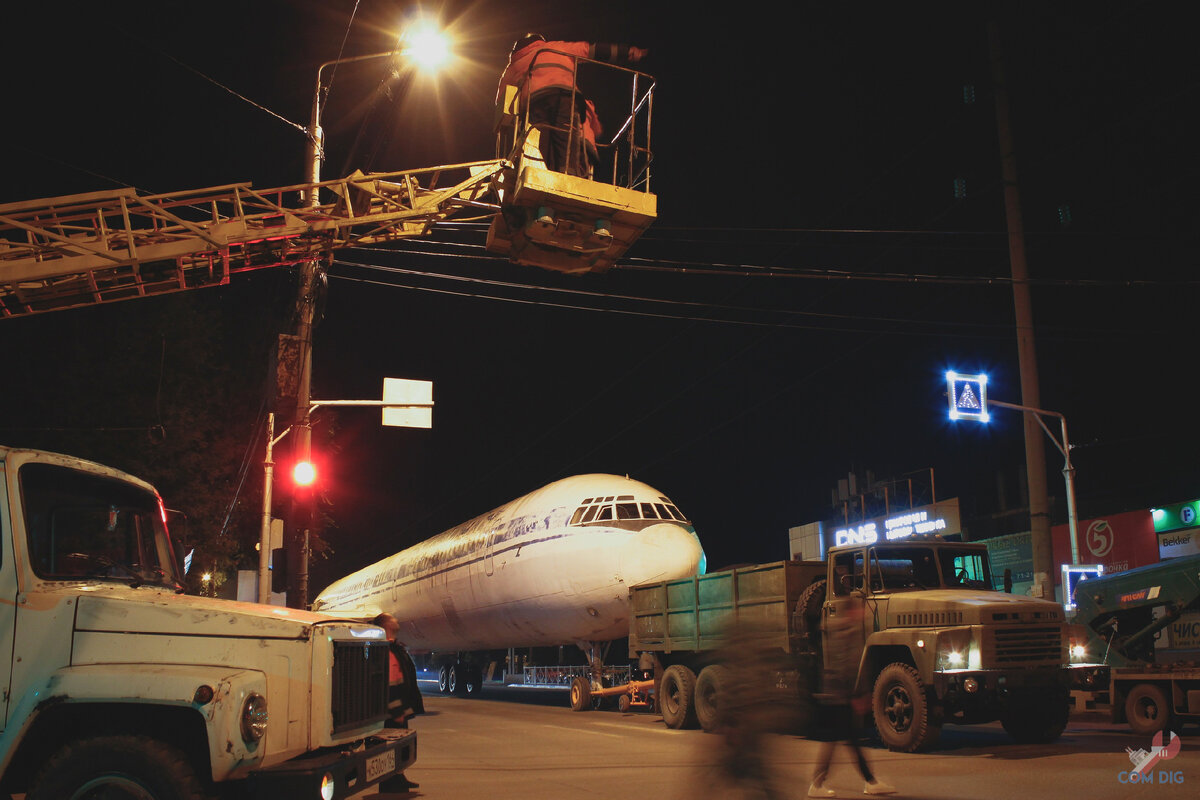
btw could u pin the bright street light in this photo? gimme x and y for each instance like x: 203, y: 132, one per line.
x: 427, y: 46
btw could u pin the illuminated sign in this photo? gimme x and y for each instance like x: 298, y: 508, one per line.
x: 939, y: 518
x: 1174, y: 517
x: 968, y: 396
x: 1072, y: 575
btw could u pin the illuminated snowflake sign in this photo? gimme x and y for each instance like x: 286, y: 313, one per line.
x: 968, y: 396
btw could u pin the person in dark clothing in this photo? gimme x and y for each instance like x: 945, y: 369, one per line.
x: 544, y: 73
x: 843, y: 632
x: 404, y: 696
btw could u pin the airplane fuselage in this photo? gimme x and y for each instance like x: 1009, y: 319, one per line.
x: 552, y: 567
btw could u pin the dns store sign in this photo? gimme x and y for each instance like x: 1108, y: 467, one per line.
x: 940, y: 518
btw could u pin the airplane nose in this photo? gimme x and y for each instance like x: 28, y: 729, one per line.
x: 660, y: 553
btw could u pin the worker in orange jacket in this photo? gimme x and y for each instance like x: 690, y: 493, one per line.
x: 544, y: 71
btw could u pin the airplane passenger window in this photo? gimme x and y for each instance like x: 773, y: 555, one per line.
x: 648, y: 511
x: 606, y: 512
x: 627, y: 511
x: 591, y: 513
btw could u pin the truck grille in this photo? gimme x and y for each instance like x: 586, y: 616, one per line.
x: 360, y: 681
x: 1028, y: 645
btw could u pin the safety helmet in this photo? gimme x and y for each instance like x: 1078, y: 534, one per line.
x: 527, y: 39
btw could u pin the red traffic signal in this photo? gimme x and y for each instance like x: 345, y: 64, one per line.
x: 304, y: 473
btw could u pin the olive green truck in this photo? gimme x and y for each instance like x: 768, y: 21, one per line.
x: 939, y: 644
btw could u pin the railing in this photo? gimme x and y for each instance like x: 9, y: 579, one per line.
x: 562, y: 676
x: 627, y: 154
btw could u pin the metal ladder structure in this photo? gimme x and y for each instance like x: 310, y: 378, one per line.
x: 101, y: 247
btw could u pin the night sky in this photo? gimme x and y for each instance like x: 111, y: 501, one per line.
x: 787, y: 319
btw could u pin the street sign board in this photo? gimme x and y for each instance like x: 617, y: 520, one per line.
x: 968, y: 396
x: 407, y: 404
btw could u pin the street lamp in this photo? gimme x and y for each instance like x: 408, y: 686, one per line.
x: 424, y: 47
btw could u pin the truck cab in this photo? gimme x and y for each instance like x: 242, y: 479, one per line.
x: 114, y: 679
x: 939, y: 644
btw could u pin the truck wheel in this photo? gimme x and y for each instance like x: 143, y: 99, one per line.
x: 677, y: 697
x: 710, y: 687
x: 135, y: 767
x: 581, y: 694
x: 472, y: 680
x: 444, y: 679
x: 904, y: 710
x: 1034, y: 717
x: 1147, y: 709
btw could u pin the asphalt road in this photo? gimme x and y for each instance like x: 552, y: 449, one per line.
x: 526, y: 744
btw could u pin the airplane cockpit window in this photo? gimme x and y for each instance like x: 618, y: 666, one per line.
x: 624, y: 507
x: 627, y: 510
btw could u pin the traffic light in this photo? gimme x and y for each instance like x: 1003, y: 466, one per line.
x: 304, y: 473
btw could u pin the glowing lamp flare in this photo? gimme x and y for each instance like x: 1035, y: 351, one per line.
x: 428, y: 47
x: 304, y: 473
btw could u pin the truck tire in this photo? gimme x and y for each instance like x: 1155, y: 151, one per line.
x: 677, y: 697
x: 905, y: 710
x: 444, y: 679
x: 806, y: 619
x: 1147, y: 709
x: 581, y: 694
x: 472, y: 680
x: 118, y: 766
x: 710, y: 688
x: 1036, y: 717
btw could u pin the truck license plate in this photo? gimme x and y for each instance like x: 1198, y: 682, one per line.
x: 381, y: 765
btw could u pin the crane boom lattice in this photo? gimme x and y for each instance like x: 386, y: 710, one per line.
x: 100, y: 247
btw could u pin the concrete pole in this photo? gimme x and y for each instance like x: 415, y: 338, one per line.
x: 264, y: 541
x: 1035, y: 452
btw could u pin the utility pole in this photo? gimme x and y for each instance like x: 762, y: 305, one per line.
x: 1035, y: 452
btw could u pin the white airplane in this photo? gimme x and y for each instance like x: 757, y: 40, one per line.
x: 553, y: 567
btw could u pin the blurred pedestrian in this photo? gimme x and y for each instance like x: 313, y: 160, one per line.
x: 844, y: 705
x: 747, y: 711
x: 404, y: 696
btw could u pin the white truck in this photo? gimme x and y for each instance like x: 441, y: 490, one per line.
x: 116, y: 684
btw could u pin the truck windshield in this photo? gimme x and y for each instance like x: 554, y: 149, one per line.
x: 912, y: 567
x: 84, y: 526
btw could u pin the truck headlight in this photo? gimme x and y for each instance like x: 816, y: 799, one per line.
x: 954, y: 658
x: 254, y: 717
x: 1078, y: 652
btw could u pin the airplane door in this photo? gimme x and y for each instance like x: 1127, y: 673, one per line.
x: 8, y: 604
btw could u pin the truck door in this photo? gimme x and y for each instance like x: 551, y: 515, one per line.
x: 8, y: 602
x: 843, y: 613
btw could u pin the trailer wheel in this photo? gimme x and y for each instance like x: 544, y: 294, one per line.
x: 677, y: 697
x: 904, y: 710
x: 581, y: 694
x: 1036, y: 717
x: 1147, y: 709
x: 444, y: 679
x: 118, y: 766
x: 710, y: 688
x: 623, y: 703
x: 472, y: 680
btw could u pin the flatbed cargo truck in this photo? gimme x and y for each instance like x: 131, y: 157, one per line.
x: 939, y: 644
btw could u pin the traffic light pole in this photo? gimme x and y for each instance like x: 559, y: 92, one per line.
x: 305, y: 430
